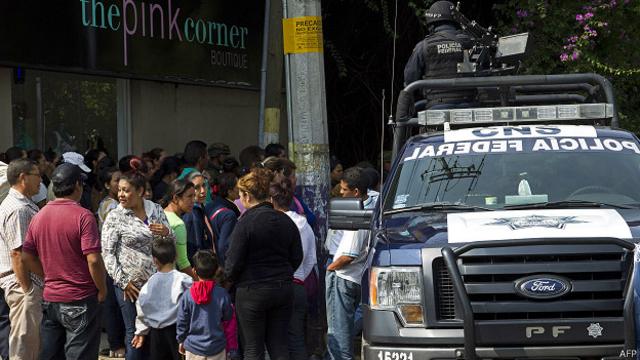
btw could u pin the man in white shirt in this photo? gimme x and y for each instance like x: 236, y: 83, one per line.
x: 344, y: 274
x: 4, y: 308
x: 22, y: 289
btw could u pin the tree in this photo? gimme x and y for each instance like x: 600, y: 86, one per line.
x: 578, y: 36
x: 568, y: 36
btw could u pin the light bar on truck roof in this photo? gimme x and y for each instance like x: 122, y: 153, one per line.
x: 515, y: 114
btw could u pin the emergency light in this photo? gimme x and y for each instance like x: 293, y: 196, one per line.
x: 512, y: 114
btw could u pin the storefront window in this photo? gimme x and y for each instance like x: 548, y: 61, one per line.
x: 65, y: 112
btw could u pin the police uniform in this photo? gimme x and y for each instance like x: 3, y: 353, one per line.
x: 437, y: 56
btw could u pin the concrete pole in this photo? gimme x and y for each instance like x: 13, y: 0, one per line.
x: 307, y: 112
x: 308, y: 132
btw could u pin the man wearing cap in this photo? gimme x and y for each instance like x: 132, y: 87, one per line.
x: 438, y: 55
x: 63, y: 243
x: 78, y: 160
x: 22, y: 289
x: 218, y: 152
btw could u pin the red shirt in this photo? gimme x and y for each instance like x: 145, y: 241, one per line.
x: 62, y: 234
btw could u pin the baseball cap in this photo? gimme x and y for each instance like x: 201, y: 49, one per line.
x: 75, y: 159
x: 216, y: 149
x: 67, y: 174
x: 41, y: 195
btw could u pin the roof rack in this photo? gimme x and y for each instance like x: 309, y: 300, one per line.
x: 511, y: 95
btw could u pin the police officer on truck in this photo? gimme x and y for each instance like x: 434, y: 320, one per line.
x: 438, y: 55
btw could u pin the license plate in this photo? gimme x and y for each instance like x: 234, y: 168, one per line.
x: 395, y: 355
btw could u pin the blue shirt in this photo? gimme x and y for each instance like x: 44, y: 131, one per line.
x: 199, y: 326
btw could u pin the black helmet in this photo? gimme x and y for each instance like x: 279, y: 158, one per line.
x: 439, y: 11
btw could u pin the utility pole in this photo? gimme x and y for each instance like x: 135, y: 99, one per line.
x: 307, y: 120
x: 306, y: 103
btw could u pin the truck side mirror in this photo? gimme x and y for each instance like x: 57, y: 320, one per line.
x: 349, y: 214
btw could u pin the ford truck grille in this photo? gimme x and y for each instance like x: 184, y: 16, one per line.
x: 598, y: 275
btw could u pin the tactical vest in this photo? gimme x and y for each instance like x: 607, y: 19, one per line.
x: 442, y: 51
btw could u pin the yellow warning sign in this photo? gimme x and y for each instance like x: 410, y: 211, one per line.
x: 302, y: 34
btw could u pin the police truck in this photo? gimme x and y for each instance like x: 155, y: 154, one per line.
x: 505, y: 229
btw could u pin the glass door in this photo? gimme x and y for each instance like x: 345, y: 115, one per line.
x: 65, y: 112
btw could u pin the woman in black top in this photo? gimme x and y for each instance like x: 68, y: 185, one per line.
x: 265, y: 249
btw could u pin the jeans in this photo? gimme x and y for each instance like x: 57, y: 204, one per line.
x: 163, y: 343
x: 297, y: 348
x: 357, y: 322
x: 70, y: 330
x: 128, y: 310
x: 5, y: 327
x: 112, y: 318
x: 264, y: 311
x: 343, y: 298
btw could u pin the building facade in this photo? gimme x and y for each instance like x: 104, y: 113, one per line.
x: 129, y: 75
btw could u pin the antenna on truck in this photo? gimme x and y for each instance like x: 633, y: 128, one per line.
x: 393, y: 64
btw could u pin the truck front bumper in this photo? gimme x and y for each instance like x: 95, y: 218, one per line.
x: 375, y: 352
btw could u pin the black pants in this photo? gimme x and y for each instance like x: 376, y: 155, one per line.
x: 163, y: 343
x: 5, y: 326
x: 297, y: 329
x: 264, y: 311
x: 70, y: 330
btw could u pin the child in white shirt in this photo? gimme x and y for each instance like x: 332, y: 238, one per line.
x: 157, y: 304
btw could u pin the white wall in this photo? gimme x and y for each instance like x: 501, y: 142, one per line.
x: 6, y: 119
x: 169, y: 115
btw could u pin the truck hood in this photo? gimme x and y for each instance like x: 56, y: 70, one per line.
x: 439, y: 228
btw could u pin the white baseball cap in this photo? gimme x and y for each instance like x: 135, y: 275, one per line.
x: 41, y: 195
x: 75, y: 159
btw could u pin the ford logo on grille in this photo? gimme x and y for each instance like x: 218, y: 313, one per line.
x: 543, y: 286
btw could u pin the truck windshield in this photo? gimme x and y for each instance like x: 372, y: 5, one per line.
x: 516, y: 178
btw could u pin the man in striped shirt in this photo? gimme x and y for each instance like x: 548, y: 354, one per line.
x: 4, y: 308
x: 22, y: 289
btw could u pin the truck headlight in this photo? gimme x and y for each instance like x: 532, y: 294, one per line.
x: 398, y: 289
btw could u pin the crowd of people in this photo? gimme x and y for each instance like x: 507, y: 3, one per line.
x: 196, y: 254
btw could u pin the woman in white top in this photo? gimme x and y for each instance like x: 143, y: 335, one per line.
x: 281, y: 192
x: 127, y: 235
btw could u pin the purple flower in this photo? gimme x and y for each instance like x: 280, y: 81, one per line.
x: 575, y: 55
x: 522, y: 13
x: 588, y: 15
x: 579, y: 17
x: 573, y: 39
x: 613, y: 3
x: 564, y: 57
